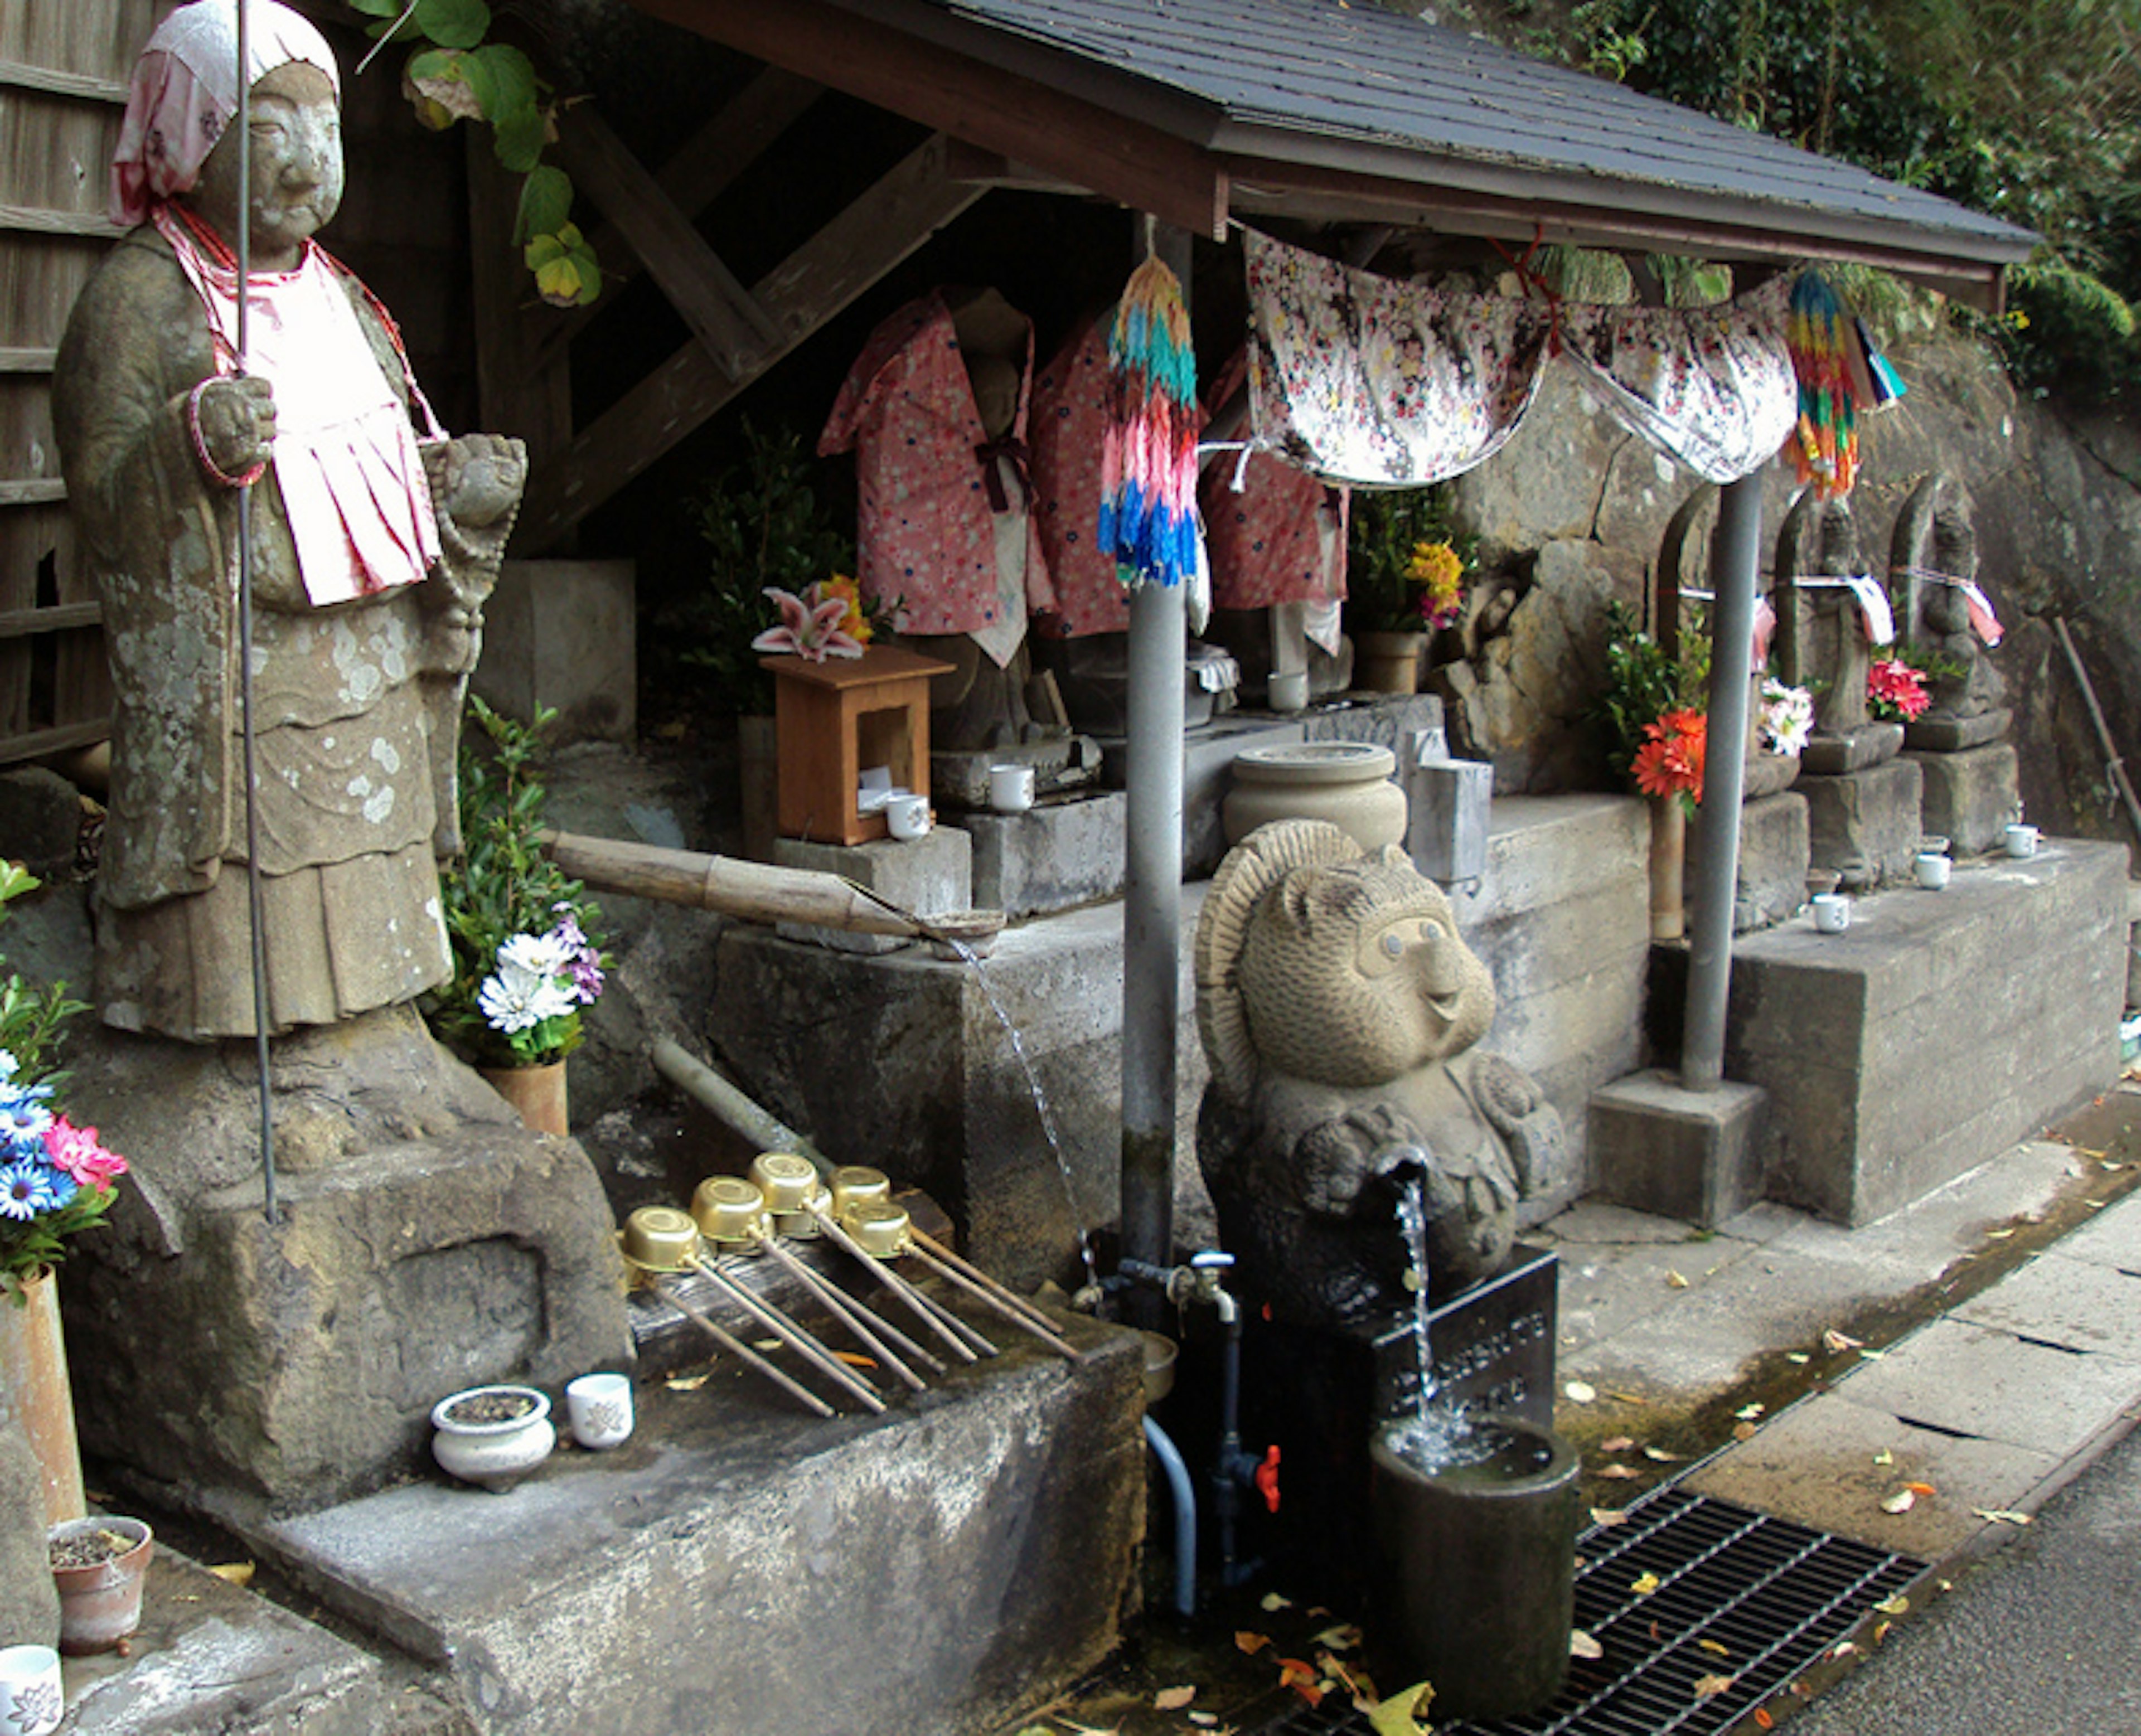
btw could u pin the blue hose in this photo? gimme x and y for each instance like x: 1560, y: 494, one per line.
x: 1185, y: 1516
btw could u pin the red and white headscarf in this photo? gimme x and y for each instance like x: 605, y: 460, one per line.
x: 184, y: 91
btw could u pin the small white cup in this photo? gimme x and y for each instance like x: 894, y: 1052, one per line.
x: 1010, y: 788
x: 1832, y: 913
x: 2021, y: 840
x: 907, y: 816
x: 1287, y: 692
x: 600, y: 1408
x: 1932, y: 869
x: 32, y: 1700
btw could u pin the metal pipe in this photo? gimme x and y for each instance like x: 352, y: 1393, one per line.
x: 1003, y: 1292
x: 1735, y: 568
x: 700, y: 1082
x: 1185, y: 1515
x: 965, y: 1342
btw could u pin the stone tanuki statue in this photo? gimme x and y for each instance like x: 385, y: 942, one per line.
x: 1339, y: 1009
x: 374, y: 542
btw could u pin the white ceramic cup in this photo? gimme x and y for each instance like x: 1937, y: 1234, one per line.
x: 1832, y: 913
x: 1932, y: 869
x: 2021, y: 840
x: 32, y: 1700
x: 600, y: 1408
x: 1287, y: 692
x: 1010, y: 788
x: 907, y: 816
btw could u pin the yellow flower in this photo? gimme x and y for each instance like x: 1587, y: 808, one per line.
x: 1437, y: 566
x: 855, y: 623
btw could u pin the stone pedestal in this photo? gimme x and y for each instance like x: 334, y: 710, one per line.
x: 1851, y: 750
x: 425, y: 1242
x: 1775, y: 849
x: 1969, y: 797
x: 564, y: 634
x: 929, y: 876
x: 1659, y: 1148
x: 1864, y: 824
x: 1945, y: 735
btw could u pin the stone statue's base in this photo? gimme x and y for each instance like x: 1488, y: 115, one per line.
x: 1859, y: 749
x: 1956, y: 735
x: 1970, y: 796
x: 1865, y: 824
x: 424, y: 1241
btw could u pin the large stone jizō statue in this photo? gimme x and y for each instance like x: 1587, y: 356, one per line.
x: 374, y: 543
x: 1339, y: 1008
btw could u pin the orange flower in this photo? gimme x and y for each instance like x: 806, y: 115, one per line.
x: 1670, y: 760
x: 856, y: 623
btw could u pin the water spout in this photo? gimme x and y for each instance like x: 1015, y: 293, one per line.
x: 1439, y: 1435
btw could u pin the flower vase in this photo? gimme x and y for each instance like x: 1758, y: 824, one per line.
x: 537, y: 1095
x: 33, y: 1371
x: 1389, y: 662
x: 1668, y: 867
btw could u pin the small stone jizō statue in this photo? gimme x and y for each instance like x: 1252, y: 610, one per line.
x: 374, y: 542
x: 1339, y: 1009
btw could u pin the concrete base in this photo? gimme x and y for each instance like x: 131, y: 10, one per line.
x: 564, y: 634
x: 1936, y: 1030
x: 426, y: 1241
x: 1659, y: 1148
x: 739, y: 1564
x: 1970, y: 797
x: 929, y: 876
x: 1865, y: 824
x: 1054, y: 857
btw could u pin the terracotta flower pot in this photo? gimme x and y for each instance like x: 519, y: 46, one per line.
x: 100, y: 1603
x: 1390, y: 662
x: 537, y: 1095
x: 33, y: 1366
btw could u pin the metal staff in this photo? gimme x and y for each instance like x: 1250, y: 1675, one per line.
x: 256, y: 917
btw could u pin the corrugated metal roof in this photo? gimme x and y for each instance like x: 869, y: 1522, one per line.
x: 1290, y: 78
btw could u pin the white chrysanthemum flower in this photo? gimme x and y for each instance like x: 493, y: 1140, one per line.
x: 513, y: 1001
x: 536, y: 955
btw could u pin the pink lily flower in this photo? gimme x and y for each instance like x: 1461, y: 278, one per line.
x: 809, y: 627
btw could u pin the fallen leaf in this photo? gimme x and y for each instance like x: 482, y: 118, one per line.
x: 1898, y: 1604
x: 1662, y: 1457
x: 1251, y: 1643
x: 1627, y: 1398
x: 1404, y: 1714
x: 1922, y: 1489
x: 1833, y: 1339
x: 1762, y: 1720
x: 1204, y: 1720
x: 2000, y: 1516
x: 766, y: 1345
x: 1273, y: 1603
x: 1304, y: 1681
x: 1842, y: 1649
x: 1608, y: 1517
x: 1745, y: 1431
x: 1580, y: 1644
x: 1674, y: 1280
x: 1340, y: 1676
x: 1173, y: 1699
x: 1902, y: 1501
x: 1622, y: 1474
x: 1872, y: 1356
x: 1344, y: 1637
x: 1715, y: 1649
x: 1884, y: 1456
x: 1748, y: 1412
x: 1797, y: 1356
x: 854, y: 1359
x: 1997, y: 1235
x: 1881, y: 1631
x: 236, y: 1573
x: 1619, y: 1443
x: 1644, y: 1584
x: 1709, y: 1687
x: 692, y: 1383
x: 1580, y: 1392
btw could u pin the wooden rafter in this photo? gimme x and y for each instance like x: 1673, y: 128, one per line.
x: 905, y: 208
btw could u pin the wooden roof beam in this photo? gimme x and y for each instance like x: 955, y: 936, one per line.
x: 854, y: 250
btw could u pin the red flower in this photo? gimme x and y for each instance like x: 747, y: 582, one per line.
x: 1890, y: 682
x: 78, y: 1152
x: 1670, y: 761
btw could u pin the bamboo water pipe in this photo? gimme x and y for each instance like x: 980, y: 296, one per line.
x: 759, y: 892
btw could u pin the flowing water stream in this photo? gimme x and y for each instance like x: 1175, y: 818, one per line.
x: 1439, y: 1435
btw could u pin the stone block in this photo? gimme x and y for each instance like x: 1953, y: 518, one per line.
x: 563, y: 633
x: 929, y: 876
x: 1970, y: 796
x: 1956, y: 735
x: 1859, y: 749
x: 1774, y: 846
x: 1864, y: 823
x: 1053, y: 857
x: 1659, y: 1148
x: 741, y: 1566
x: 1450, y: 802
x: 2075, y: 1304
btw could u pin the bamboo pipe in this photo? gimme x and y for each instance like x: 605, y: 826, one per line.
x: 696, y: 1078
x: 728, y: 1341
x: 794, y: 1337
x: 758, y: 891
x: 858, y: 1320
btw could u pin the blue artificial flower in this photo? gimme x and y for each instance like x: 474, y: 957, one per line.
x: 23, y: 1113
x: 25, y: 1190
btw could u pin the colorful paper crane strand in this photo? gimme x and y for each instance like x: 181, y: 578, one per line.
x: 1824, y: 446
x: 1148, y: 457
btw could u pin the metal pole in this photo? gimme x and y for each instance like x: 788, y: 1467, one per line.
x: 1735, y: 564
x: 256, y: 920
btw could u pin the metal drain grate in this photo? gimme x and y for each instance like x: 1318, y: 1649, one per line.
x: 1773, y: 1595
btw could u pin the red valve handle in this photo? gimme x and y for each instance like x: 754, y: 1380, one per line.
x: 1266, y: 1476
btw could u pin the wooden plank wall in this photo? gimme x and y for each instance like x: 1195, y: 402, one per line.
x: 62, y: 86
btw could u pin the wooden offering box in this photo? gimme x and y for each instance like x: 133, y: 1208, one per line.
x: 834, y: 719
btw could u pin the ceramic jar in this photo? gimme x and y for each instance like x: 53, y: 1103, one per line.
x: 494, y: 1451
x: 1389, y: 662
x: 31, y: 1699
x: 1346, y: 783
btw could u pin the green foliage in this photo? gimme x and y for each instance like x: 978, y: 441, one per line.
x: 504, y: 885
x: 461, y: 76
x: 1643, y: 683
x: 30, y: 1017
x: 763, y: 527
x: 2069, y: 330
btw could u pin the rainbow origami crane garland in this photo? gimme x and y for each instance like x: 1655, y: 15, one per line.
x: 1818, y: 335
x: 1148, y: 457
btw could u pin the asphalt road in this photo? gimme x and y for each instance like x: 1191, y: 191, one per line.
x: 2040, y: 1639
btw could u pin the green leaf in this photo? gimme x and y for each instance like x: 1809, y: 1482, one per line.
x: 560, y: 284
x: 520, y: 141
x: 591, y: 279
x: 546, y: 203
x: 378, y: 8
x: 453, y: 24
x: 543, y: 250
x: 512, y: 81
